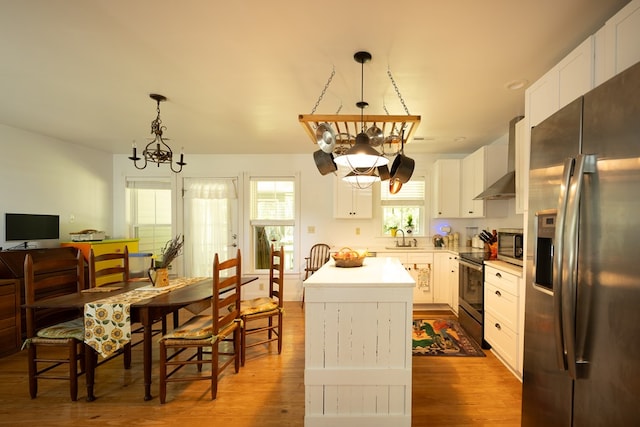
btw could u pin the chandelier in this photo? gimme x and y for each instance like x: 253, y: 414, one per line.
x: 362, y: 144
x: 157, y: 151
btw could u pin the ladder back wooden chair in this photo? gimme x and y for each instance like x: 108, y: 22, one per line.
x: 51, y: 328
x: 219, y: 331
x: 108, y: 269
x: 318, y: 256
x: 265, y: 312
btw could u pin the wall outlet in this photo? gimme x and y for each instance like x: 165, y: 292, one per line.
x: 311, y: 229
x: 262, y: 286
x: 357, y: 231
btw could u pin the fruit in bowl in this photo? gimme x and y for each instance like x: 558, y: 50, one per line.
x: 347, y: 257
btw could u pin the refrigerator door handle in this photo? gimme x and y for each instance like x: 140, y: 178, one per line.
x: 558, y: 263
x: 585, y: 164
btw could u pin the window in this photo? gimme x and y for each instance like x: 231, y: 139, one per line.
x: 149, y: 213
x: 405, y: 209
x: 273, y: 213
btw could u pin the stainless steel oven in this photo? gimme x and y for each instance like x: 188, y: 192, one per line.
x: 471, y: 295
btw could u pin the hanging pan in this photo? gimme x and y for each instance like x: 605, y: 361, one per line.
x: 383, y: 173
x: 403, y: 166
x: 325, y: 137
x: 376, y: 137
x: 324, y: 162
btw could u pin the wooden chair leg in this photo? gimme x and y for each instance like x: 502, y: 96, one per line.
x: 127, y: 355
x: 73, y: 371
x: 163, y: 372
x: 215, y: 368
x: 33, y: 382
x: 243, y: 344
x: 280, y: 333
x: 237, y: 342
x: 91, y: 361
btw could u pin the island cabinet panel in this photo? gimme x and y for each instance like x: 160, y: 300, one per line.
x: 358, y: 345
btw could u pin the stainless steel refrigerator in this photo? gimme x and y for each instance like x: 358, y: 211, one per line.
x: 582, y: 320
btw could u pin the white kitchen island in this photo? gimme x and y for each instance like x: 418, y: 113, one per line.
x: 358, y: 345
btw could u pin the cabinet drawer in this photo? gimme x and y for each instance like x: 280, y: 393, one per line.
x: 402, y: 256
x: 420, y: 258
x: 502, y: 305
x: 502, y: 339
x: 503, y: 280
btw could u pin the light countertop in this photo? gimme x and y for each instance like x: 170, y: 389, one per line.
x: 374, y: 271
x: 505, y: 266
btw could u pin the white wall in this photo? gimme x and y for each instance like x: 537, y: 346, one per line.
x: 316, y: 193
x: 39, y: 174
x: 42, y: 175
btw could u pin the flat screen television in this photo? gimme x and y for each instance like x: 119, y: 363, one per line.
x: 26, y: 227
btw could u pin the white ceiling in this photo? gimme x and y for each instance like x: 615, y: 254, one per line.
x: 238, y: 73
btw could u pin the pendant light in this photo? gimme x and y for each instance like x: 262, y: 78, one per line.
x: 362, y: 158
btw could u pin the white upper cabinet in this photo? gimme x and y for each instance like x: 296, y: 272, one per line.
x: 618, y: 43
x: 473, y: 183
x: 446, y: 188
x: 351, y: 203
x: 480, y: 169
x: 541, y: 98
x: 569, y: 79
x: 576, y: 73
x: 522, y: 166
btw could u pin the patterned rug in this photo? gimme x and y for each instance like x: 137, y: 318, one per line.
x: 442, y: 337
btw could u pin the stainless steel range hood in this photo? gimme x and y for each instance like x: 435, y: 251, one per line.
x: 505, y: 187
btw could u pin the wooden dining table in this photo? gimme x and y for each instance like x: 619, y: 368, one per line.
x: 146, y: 312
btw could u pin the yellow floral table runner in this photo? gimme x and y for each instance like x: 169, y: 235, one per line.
x: 107, y: 322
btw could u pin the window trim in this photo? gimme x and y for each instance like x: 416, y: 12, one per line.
x: 420, y: 203
x: 248, y: 243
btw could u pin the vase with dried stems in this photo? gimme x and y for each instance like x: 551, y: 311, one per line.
x: 159, y: 272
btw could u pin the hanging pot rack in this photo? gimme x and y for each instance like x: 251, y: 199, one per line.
x: 350, y: 124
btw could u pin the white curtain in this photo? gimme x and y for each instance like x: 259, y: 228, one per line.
x: 210, y: 207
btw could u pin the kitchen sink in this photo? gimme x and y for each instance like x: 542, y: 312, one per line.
x: 404, y: 248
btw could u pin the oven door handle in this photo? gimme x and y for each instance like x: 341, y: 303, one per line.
x: 470, y: 265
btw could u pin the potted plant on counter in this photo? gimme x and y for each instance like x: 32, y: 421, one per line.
x: 391, y: 226
x: 409, y: 226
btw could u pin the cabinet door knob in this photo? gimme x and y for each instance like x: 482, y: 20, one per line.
x: 498, y: 293
x: 498, y: 327
x: 499, y: 276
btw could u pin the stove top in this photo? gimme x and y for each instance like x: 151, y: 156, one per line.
x: 474, y: 257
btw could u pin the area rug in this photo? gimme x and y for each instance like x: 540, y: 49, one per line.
x: 442, y: 337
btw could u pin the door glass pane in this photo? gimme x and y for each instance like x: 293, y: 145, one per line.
x: 210, y: 223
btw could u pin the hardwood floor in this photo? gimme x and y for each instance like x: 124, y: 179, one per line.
x: 268, y: 391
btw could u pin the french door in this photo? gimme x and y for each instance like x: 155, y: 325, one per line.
x: 210, y: 223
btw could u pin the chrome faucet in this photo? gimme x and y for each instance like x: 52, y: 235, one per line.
x: 404, y: 244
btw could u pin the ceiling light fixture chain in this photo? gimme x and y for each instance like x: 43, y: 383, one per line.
x: 157, y: 151
x: 324, y: 90
x: 365, y: 155
x: 395, y: 86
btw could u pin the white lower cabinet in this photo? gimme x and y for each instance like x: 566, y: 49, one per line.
x: 454, y: 278
x: 442, y: 279
x: 502, y: 320
x: 434, y: 274
x: 420, y: 266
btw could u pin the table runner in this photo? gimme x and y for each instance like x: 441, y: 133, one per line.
x: 107, y: 322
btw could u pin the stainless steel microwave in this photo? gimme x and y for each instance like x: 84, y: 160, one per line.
x: 510, y: 245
